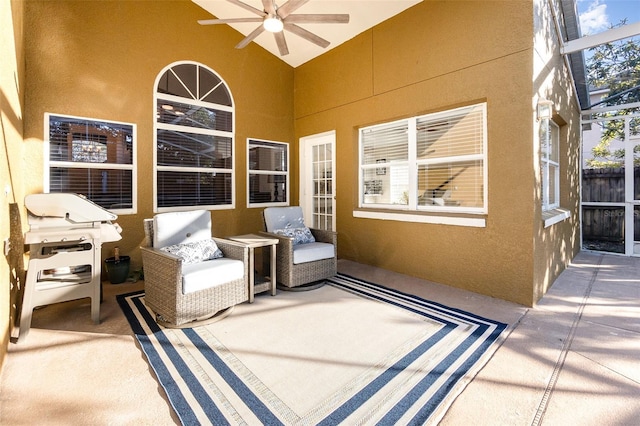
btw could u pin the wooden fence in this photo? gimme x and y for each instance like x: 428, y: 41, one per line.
x: 606, y: 223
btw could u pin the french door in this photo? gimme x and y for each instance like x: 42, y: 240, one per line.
x: 317, y: 180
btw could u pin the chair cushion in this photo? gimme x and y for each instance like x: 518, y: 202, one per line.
x: 203, y: 275
x: 300, y: 235
x: 303, y: 253
x: 283, y: 217
x: 181, y: 227
x: 195, y: 252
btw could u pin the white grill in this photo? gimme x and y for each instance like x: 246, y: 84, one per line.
x: 65, y: 238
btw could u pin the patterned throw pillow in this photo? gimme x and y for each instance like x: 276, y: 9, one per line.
x: 299, y: 235
x: 195, y: 252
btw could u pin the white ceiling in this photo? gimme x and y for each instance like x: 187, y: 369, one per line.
x: 364, y: 14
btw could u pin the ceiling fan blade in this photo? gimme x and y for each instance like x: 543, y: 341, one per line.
x: 269, y: 6
x: 247, y: 7
x: 319, y: 18
x: 227, y: 21
x: 248, y: 39
x: 299, y: 31
x: 289, y: 7
x: 282, y: 43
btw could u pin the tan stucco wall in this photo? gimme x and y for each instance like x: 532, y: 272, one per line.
x: 556, y: 245
x: 100, y: 60
x: 435, y: 56
x: 12, y: 160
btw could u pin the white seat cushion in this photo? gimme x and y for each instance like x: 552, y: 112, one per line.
x: 310, y: 252
x: 199, y: 276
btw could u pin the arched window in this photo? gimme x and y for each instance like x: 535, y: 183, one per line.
x: 193, y: 139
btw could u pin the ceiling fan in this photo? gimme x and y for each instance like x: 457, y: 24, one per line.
x: 275, y: 19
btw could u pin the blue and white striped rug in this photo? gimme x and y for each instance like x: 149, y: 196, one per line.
x: 351, y: 352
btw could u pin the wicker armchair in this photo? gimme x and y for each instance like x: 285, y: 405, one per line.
x: 299, y: 264
x: 183, y: 292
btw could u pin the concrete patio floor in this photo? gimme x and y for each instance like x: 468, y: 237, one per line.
x: 572, y: 359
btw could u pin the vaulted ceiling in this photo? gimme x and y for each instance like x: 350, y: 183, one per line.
x: 364, y: 14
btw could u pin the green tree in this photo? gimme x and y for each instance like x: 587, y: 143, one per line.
x: 615, y: 66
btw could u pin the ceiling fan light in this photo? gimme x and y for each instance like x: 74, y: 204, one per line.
x: 273, y: 24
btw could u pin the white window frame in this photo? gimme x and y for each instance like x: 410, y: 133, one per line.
x: 48, y: 163
x: 550, y: 141
x: 254, y: 142
x: 196, y: 100
x: 412, y: 212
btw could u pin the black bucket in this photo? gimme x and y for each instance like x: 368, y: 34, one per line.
x: 118, y: 270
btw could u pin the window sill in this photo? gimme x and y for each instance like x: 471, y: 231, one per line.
x: 419, y: 218
x: 553, y: 216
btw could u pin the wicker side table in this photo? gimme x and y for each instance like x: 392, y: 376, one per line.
x: 259, y: 284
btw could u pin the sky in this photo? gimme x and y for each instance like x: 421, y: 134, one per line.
x: 598, y: 15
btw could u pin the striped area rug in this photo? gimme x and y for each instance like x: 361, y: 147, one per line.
x: 350, y: 352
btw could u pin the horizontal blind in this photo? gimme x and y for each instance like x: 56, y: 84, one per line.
x: 194, y: 138
x: 110, y: 189
x: 457, y: 133
x: 176, y: 113
x: 385, y: 143
x: 426, y: 162
x: 451, y: 184
x: 93, y: 158
x: 193, y: 189
x: 184, y: 149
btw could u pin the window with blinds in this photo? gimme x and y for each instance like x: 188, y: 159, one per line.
x: 194, y: 139
x: 434, y: 162
x: 550, y: 164
x: 268, y: 174
x: 94, y: 158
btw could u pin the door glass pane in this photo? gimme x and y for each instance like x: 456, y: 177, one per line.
x: 322, y: 175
